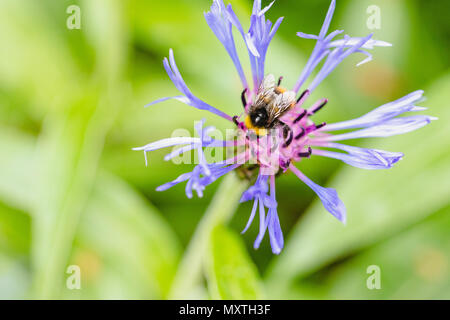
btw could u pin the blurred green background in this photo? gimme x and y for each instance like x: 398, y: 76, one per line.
x: 73, y: 193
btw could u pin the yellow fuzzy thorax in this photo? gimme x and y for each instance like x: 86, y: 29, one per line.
x: 259, y: 131
x: 280, y: 90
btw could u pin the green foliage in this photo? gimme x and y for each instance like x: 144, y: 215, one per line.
x: 128, y: 237
x: 219, y: 212
x: 231, y: 273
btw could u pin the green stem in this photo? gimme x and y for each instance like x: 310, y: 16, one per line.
x: 220, y: 211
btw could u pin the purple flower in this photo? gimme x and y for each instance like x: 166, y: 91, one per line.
x: 277, y: 130
x: 187, y: 97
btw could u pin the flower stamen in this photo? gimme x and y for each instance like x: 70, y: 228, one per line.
x: 300, y: 117
x: 317, y: 127
x: 305, y: 154
x: 301, y: 134
x: 303, y: 97
x: 314, y: 109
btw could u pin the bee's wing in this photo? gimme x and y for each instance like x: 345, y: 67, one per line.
x: 286, y: 98
x: 267, y: 84
x: 281, y: 104
x: 265, y: 93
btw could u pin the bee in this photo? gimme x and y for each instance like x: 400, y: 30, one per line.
x: 271, y: 102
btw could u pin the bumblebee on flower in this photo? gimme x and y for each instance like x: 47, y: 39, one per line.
x: 275, y: 126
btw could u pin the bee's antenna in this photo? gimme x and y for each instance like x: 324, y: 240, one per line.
x: 279, y: 80
x: 243, y: 98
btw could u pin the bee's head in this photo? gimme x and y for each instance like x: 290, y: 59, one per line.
x: 259, y: 117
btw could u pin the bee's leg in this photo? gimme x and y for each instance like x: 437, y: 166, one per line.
x: 305, y: 154
x: 243, y: 98
x: 279, y: 81
x: 235, y: 120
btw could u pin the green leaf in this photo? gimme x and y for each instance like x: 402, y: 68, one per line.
x: 219, y: 212
x: 69, y: 151
x: 118, y: 231
x: 231, y: 273
x: 15, y: 168
x: 379, y: 204
x: 14, y: 278
x: 15, y: 232
x: 412, y: 264
x: 123, y: 234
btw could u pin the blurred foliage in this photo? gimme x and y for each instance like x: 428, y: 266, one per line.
x: 73, y: 193
x: 231, y: 274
